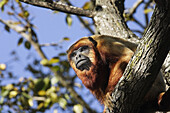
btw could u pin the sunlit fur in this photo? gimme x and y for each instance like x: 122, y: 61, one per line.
x: 109, y: 59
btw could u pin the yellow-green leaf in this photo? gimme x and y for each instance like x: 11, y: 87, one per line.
x: 13, y: 94
x: 53, y: 97
x: 54, y: 60
x: 66, y: 38
x: 9, y: 87
x: 2, y: 67
x: 3, y: 2
x: 148, y: 11
x: 67, y: 96
x: 62, y: 102
x: 40, y: 105
x: 69, y: 20
x: 17, y: 0
x: 47, y: 102
x: 78, y: 108
x: 26, y: 13
x: 42, y: 93
x: 55, y: 68
x: 26, y: 95
x: 54, y: 80
x: 87, y: 5
x: 44, y: 62
x: 30, y: 102
x: 2, y: 100
x: 4, y: 93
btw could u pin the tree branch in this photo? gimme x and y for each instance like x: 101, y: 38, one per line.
x: 21, y: 31
x: 60, y: 7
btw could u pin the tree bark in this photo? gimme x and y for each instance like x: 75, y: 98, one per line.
x: 109, y: 19
x: 145, y: 64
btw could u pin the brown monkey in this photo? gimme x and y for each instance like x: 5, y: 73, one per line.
x: 99, y: 61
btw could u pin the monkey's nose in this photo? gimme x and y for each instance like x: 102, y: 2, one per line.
x: 78, y: 56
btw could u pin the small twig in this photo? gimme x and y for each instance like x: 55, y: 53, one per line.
x: 60, y: 7
x: 49, y: 44
x: 139, y: 23
x: 146, y: 14
x: 134, y: 8
x: 81, y: 19
x: 138, y: 31
x: 85, y: 25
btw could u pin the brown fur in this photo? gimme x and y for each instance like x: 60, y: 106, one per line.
x: 109, y: 59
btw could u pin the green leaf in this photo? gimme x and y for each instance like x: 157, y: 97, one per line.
x: 26, y: 14
x: 42, y: 93
x: 148, y: 11
x: 2, y: 4
x: 78, y: 108
x: 66, y: 38
x: 20, y: 41
x: 69, y: 20
x: 9, y: 86
x: 40, y: 105
x: 53, y: 97
x: 7, y: 28
x: 26, y: 95
x: 27, y: 45
x: 47, y: 83
x: 88, y: 5
x: 2, y: 100
x: 54, y: 60
x: 4, y: 93
x: 54, y: 80
x: 3, y: 67
x: 44, y: 62
x: 47, y: 102
x: 62, y: 102
x: 62, y: 54
x: 13, y: 94
x: 30, y: 102
x: 67, y: 96
x: 55, y: 68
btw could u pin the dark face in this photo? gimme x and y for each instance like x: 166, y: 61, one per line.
x: 80, y: 58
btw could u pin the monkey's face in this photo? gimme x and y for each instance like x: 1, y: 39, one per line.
x: 80, y: 58
x: 85, y: 59
x: 82, y: 55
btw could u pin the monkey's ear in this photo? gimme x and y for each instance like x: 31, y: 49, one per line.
x: 93, y: 41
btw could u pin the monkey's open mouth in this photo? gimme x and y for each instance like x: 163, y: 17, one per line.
x: 81, y: 62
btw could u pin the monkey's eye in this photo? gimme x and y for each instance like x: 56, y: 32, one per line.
x: 83, y: 48
x: 73, y: 54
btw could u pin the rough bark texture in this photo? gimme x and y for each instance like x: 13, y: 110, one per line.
x: 145, y: 65
x: 109, y: 19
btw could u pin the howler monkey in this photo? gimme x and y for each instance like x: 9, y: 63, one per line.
x: 99, y: 61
